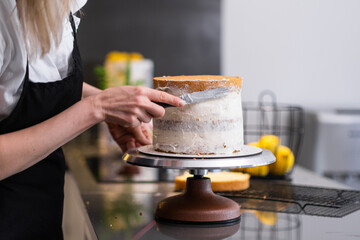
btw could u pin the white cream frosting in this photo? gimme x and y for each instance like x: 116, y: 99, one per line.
x: 228, y: 107
x: 211, y: 127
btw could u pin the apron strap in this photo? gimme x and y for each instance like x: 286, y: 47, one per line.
x: 71, y: 18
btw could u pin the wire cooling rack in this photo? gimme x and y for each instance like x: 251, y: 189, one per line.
x: 283, y: 197
x: 269, y: 117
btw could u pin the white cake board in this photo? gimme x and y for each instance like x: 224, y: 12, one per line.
x: 255, y: 157
x: 244, y: 151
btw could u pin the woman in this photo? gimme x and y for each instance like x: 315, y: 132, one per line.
x: 44, y: 104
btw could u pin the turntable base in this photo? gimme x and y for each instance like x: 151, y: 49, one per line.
x: 198, y: 205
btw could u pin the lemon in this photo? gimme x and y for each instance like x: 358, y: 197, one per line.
x: 260, y: 171
x: 269, y: 142
x: 255, y: 144
x: 284, y: 161
x: 267, y: 218
x: 243, y: 170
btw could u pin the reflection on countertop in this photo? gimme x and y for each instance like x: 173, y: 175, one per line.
x: 110, y: 168
x: 124, y: 209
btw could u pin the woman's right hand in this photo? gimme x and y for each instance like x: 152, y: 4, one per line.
x: 129, y: 106
x: 125, y: 106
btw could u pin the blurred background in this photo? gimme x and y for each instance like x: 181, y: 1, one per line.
x: 306, y: 52
x: 181, y: 37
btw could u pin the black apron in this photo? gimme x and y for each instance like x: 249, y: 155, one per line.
x: 31, y: 202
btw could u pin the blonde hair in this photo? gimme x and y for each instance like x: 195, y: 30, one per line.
x: 42, y: 23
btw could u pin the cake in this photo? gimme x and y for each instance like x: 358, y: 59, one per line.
x: 220, y: 181
x: 210, y: 127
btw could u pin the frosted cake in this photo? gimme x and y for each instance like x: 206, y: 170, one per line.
x: 210, y: 127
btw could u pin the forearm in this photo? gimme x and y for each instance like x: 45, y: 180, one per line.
x: 126, y: 106
x: 22, y: 149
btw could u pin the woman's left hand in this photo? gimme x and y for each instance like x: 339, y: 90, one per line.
x: 128, y: 138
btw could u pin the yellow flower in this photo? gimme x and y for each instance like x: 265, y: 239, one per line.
x: 115, y: 56
x: 136, y: 56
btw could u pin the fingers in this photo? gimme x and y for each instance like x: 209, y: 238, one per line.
x: 155, y: 110
x: 144, y: 110
x: 144, y: 114
x: 130, y: 144
x: 160, y: 96
x: 128, y: 138
x: 147, y: 132
x: 141, y: 135
x: 130, y: 106
x: 141, y: 108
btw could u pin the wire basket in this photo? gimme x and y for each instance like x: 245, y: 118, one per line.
x: 268, y: 117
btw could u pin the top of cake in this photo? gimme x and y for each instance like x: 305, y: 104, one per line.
x: 196, y: 83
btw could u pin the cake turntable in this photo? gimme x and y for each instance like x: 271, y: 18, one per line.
x: 198, y: 204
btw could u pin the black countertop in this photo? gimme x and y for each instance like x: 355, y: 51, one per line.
x: 126, y: 210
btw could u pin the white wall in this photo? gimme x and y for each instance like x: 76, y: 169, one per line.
x: 306, y: 51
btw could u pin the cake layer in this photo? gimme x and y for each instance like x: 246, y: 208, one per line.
x: 198, y: 126
x: 197, y: 83
x: 196, y: 142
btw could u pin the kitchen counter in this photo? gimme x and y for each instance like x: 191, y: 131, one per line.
x: 110, y: 210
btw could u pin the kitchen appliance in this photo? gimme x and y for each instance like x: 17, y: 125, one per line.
x: 198, y: 204
x: 332, y: 145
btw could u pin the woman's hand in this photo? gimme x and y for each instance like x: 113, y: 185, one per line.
x: 129, y: 106
x: 125, y: 107
x: 128, y: 138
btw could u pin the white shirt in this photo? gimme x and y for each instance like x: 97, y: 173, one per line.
x: 52, y: 67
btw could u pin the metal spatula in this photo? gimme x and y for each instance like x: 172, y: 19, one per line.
x: 201, y: 96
